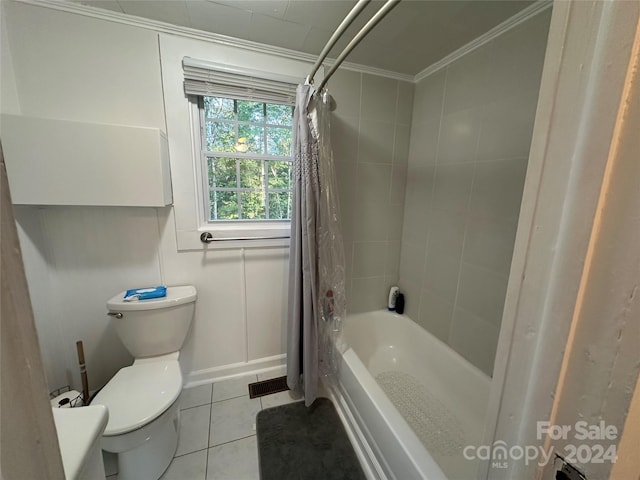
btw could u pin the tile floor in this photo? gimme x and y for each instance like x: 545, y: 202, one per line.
x: 218, y: 433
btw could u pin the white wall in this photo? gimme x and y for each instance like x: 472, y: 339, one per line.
x: 78, y: 257
x: 8, y: 93
x: 75, y: 68
x: 470, y: 139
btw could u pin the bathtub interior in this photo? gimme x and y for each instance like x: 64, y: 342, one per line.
x: 440, y: 395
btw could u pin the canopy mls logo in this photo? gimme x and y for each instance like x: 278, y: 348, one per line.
x: 500, y: 454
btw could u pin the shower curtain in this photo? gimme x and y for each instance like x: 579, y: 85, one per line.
x: 316, y: 258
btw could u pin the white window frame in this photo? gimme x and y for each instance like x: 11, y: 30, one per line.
x: 184, y: 214
x: 258, y: 232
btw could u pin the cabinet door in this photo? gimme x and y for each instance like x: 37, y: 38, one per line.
x: 58, y: 162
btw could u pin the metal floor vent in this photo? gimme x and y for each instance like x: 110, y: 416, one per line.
x: 267, y: 387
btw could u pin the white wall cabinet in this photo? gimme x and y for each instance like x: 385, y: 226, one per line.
x: 60, y: 162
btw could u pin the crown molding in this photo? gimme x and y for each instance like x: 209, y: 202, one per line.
x: 192, y: 33
x: 508, y: 24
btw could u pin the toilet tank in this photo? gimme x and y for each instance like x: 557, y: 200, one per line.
x: 154, y: 327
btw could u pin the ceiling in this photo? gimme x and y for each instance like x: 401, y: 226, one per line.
x: 414, y: 35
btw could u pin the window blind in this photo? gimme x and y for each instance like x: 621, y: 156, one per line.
x: 212, y: 79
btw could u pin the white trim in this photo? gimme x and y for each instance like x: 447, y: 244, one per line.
x: 225, y: 372
x: 508, y: 24
x: 217, y: 38
x: 243, y: 294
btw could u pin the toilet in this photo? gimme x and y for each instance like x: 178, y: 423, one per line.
x: 142, y: 399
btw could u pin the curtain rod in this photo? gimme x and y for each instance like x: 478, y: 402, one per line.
x: 380, y: 14
x: 348, y: 20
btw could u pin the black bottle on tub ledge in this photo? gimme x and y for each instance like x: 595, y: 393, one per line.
x: 400, y: 303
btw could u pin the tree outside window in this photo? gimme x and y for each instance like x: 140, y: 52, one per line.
x: 247, y: 150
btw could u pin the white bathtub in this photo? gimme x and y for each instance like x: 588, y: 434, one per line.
x: 429, y: 383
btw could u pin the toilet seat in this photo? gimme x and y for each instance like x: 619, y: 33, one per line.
x: 138, y: 394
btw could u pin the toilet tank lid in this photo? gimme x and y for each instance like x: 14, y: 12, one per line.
x: 175, y: 296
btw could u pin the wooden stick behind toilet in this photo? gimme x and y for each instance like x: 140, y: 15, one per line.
x: 83, y: 373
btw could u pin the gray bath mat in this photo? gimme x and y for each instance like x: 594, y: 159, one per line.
x: 296, y: 442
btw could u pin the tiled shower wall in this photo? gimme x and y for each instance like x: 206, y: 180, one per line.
x: 370, y: 139
x: 470, y: 139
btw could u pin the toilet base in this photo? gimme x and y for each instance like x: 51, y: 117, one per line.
x: 146, y: 453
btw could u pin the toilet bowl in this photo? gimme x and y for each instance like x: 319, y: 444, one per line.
x: 144, y: 418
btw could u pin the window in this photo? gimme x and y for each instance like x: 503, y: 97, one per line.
x: 246, y: 154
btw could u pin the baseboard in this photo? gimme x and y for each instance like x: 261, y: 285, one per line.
x: 225, y: 372
x: 368, y: 461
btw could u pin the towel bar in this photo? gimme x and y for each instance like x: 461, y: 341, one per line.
x: 207, y: 237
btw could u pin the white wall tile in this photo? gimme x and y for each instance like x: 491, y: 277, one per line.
x: 497, y: 188
x: 345, y: 87
x: 489, y: 243
x: 435, y: 315
x: 452, y: 189
x: 441, y: 275
x: 401, y: 145
x: 411, y: 292
x: 369, y: 259
x: 420, y: 183
x: 428, y: 97
x: 344, y: 139
x: 379, y: 98
x: 416, y: 223
x: 423, y: 148
x: 447, y: 233
x: 395, y: 222
x: 516, y: 60
x: 412, y: 261
x: 469, y: 144
x: 376, y: 141
x: 467, y: 81
x: 482, y: 293
x: 398, y: 185
x: 404, y: 110
x: 507, y: 127
x: 392, y: 259
x: 374, y: 183
x: 370, y: 222
x: 474, y: 339
x: 459, y: 136
x: 368, y: 294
